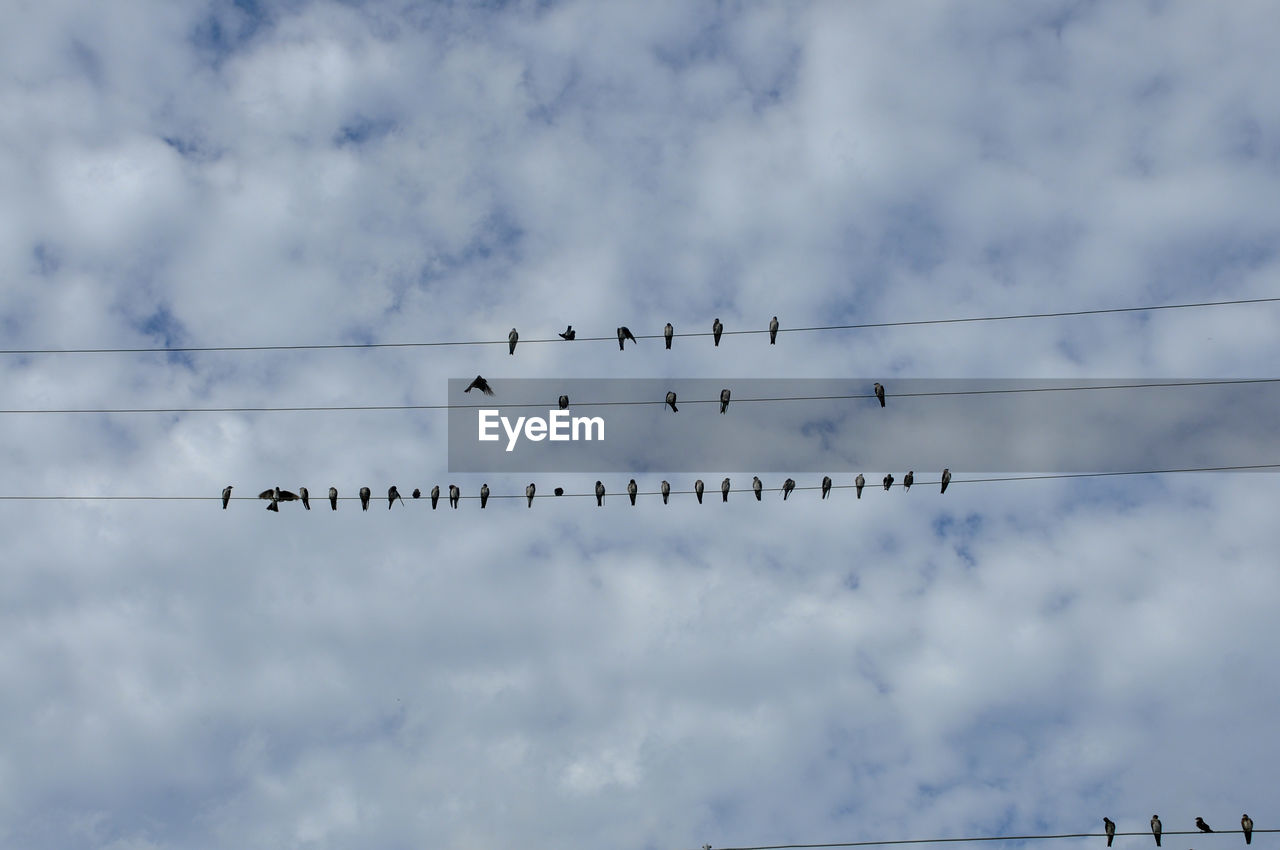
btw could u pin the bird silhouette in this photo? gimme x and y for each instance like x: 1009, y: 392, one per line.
x: 1202, y: 826
x: 671, y: 401
x: 716, y: 330
x: 787, y: 487
x: 666, y: 491
x: 1156, y: 828
x: 631, y: 491
x: 697, y: 490
x: 529, y: 491
x: 624, y: 334
x: 1246, y: 824
x: 569, y: 334
x: 484, y: 495
x: 392, y: 495
x: 724, y: 490
x: 888, y: 481
x: 512, y: 339
x: 667, y: 333
x: 946, y: 479
x: 756, y: 486
x: 724, y: 400
x: 559, y: 491
x: 599, y: 494
x: 226, y: 496
x: 826, y: 486
x: 305, y: 497
x: 333, y: 498
x: 479, y: 384
x: 879, y: 393
x: 417, y: 494
x: 435, y: 496
x: 454, y: 495
x: 858, y: 484
x: 275, y: 496
x: 364, y: 498
x: 1110, y: 826
x: 773, y: 331
x: 564, y: 402
x: 907, y: 480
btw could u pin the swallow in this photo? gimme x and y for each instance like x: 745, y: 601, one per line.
x: 671, y: 400
x: 1246, y: 824
x: 435, y: 496
x: 484, y: 495
x: 275, y: 496
x: 559, y: 491
x: 724, y: 490
x: 1111, y: 829
x: 392, y: 495
x: 826, y: 486
x: 888, y: 481
x: 666, y: 491
x: 529, y: 491
x: 716, y: 330
x: 417, y: 494
x: 773, y: 331
x: 1156, y: 828
x: 858, y: 484
x: 479, y: 384
x: 697, y: 490
x: 624, y: 334
x: 906, y: 481
x: 879, y: 392
x: 512, y: 339
x: 946, y: 479
x: 756, y: 486
x: 564, y: 402
x: 724, y: 400
x: 364, y: 498
x: 1202, y: 826
x: 226, y: 496
x: 787, y: 487
x: 631, y: 491
x: 569, y: 334
x: 454, y: 495
x: 333, y: 498
x: 667, y: 333
x: 599, y: 494
x: 305, y: 497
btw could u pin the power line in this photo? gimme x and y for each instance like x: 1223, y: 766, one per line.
x: 815, y: 328
x: 392, y: 407
x: 976, y: 838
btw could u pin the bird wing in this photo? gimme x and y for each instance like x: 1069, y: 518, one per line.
x: 269, y: 493
x: 286, y: 496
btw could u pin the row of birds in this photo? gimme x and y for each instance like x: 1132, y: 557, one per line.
x: 725, y: 395
x: 275, y: 495
x: 624, y: 334
x: 1246, y: 826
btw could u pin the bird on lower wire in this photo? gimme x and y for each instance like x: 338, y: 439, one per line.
x: 364, y: 498
x: 631, y: 491
x: 559, y: 491
x: 333, y: 498
x: 946, y: 479
x: 724, y: 490
x: 599, y: 494
x: 454, y: 495
x: 858, y: 484
x: 908, y: 480
x: 724, y: 400
x: 226, y: 496
x: 479, y: 384
x: 787, y: 487
x: 826, y: 486
x: 305, y: 497
x: 564, y: 402
x: 888, y: 481
x: 756, y: 486
x: 512, y: 339
x: 1202, y: 826
x: 671, y: 401
x: 529, y: 491
x: 666, y: 491
x: 624, y: 334
x: 879, y: 390
x: 484, y: 495
x: 417, y: 494
x: 697, y: 490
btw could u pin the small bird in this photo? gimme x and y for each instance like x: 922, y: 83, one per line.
x: 305, y: 497
x: 484, y: 495
x: 275, y: 496
x: 756, y: 486
x: 631, y: 491
x: 671, y: 400
x: 226, y: 496
x: 479, y: 384
x: 697, y: 490
x: 569, y: 334
x: 787, y: 487
x: 1110, y: 826
x: 599, y: 494
x: 888, y: 481
x: 529, y: 491
x: 826, y: 486
x: 667, y: 333
x: 454, y: 495
x: 333, y: 498
x: 724, y: 490
x: 1202, y: 826
x: 1246, y: 823
x: 906, y: 482
x: 946, y: 479
x: 879, y: 393
x: 512, y: 339
x: 417, y: 494
x: 716, y: 330
x: 858, y: 484
x: 364, y: 498
x: 666, y: 491
x: 724, y: 400
x: 392, y: 495
x: 559, y: 491
x: 1156, y: 828
x: 564, y: 402
x: 435, y: 496
x: 624, y: 334
x: 773, y: 331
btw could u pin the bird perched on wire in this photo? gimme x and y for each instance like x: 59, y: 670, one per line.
x: 454, y: 495
x: 666, y: 491
x: 529, y: 491
x: 569, y: 334
x: 756, y: 486
x: 631, y: 491
x: 512, y: 339
x: 305, y: 497
x: 888, y: 481
x: 826, y: 486
x: 1246, y: 824
x: 435, y: 496
x: 333, y: 498
x: 1110, y: 826
x: 879, y: 390
x: 787, y: 487
x: 716, y: 330
x: 559, y: 491
x: 1202, y: 826
x: 276, y: 496
x: 479, y: 384
x: 364, y: 498
x: 908, y: 480
x: 724, y: 400
x: 724, y: 490
x: 417, y: 494
x: 599, y: 494
x: 564, y: 402
x: 484, y: 495
x: 226, y: 496
x: 773, y: 331
x: 624, y: 334
x: 667, y: 333
x: 858, y: 484
x: 671, y: 401
x: 946, y: 479
x: 1156, y: 828
x: 697, y: 490
x: 392, y: 495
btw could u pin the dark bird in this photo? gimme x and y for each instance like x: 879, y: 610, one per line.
x: 226, y: 496
x: 773, y: 331
x: 879, y: 393
x: 624, y: 334
x: 569, y: 334
x: 787, y: 487
x: 888, y: 481
x: 907, y: 481
x: 599, y: 494
x: 305, y: 497
x: 275, y: 496
x: 564, y: 402
x: 1246, y: 824
x: 724, y: 490
x: 435, y: 496
x: 333, y: 498
x: 666, y: 491
x: 671, y: 400
x: 826, y: 486
x: 946, y: 479
x: 529, y: 491
x: 559, y: 491
x: 417, y: 494
x: 631, y: 491
x: 392, y: 495
x: 484, y: 495
x: 364, y: 498
x: 454, y: 495
x: 1156, y: 828
x: 716, y: 330
x: 1202, y: 826
x: 667, y: 333
x: 756, y: 486
x: 697, y: 490
x: 512, y: 339
x: 724, y: 400
x: 479, y: 384
x: 858, y: 484
x: 1110, y: 826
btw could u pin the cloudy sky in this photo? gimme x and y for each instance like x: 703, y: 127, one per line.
x: 1010, y: 658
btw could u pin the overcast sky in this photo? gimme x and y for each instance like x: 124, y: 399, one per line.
x: 1007, y: 658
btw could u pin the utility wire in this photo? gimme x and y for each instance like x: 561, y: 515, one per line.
x: 859, y: 326
x: 493, y: 404
x: 977, y: 838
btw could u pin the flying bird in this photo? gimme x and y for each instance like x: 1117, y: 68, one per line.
x: 569, y: 334
x: 333, y: 498
x: 666, y: 491
x: 756, y: 486
x: 906, y: 482
x: 435, y: 496
x: 1110, y: 826
x: 275, y: 496
x: 479, y: 384
x: 1246, y: 823
x: 364, y: 498
x: 1202, y: 826
x: 787, y: 487
x: 454, y: 495
x: 305, y: 497
x: 724, y: 490
x: 484, y: 495
x: 773, y: 331
x: 624, y: 334
x: 226, y: 496
x: 1156, y: 828
x: 858, y: 484
x: 671, y: 400
x: 888, y: 481
x: 667, y: 333
x: 631, y: 491
x: 512, y: 339
x: 564, y: 402
x: 529, y: 491
x: 946, y: 479
x: 879, y: 392
x: 559, y: 491
x: 716, y: 330
x: 599, y: 494
x: 417, y: 494
x: 826, y: 486
x: 724, y: 400
x: 697, y: 490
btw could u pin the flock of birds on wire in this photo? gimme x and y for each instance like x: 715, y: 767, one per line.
x: 1246, y: 826
x: 624, y: 334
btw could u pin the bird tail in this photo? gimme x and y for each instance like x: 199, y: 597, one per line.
x: 273, y: 507
x: 1109, y: 838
